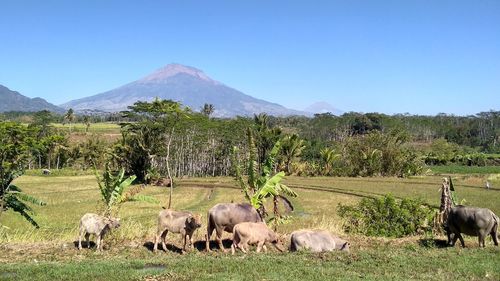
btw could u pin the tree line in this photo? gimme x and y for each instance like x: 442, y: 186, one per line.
x: 164, y: 139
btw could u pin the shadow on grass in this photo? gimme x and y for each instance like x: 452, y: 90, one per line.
x: 433, y: 243
x: 197, y: 245
x: 200, y: 244
x: 170, y: 247
x: 91, y: 244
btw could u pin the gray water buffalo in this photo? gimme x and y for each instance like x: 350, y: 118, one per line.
x: 471, y: 221
x: 253, y: 233
x: 317, y: 241
x: 184, y: 223
x: 97, y: 225
x: 224, y: 216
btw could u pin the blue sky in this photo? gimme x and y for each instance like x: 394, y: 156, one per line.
x: 421, y: 57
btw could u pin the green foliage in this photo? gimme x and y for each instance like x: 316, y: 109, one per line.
x: 385, y: 216
x: 373, y: 154
x: 114, y: 190
x: 265, y: 184
x: 15, y: 143
x: 291, y: 149
x: 149, y: 136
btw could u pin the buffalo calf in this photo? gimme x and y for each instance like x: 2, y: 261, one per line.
x: 253, y: 233
x: 97, y: 225
x: 184, y: 223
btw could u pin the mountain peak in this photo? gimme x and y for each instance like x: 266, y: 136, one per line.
x: 173, y: 69
x: 322, y: 107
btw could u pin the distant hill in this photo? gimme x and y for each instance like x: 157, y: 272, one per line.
x: 184, y: 84
x: 323, y: 107
x: 14, y: 101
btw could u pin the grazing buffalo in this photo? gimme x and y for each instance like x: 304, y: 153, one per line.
x: 471, y: 221
x: 253, y: 233
x: 97, y: 225
x: 224, y: 216
x: 184, y: 223
x: 317, y: 241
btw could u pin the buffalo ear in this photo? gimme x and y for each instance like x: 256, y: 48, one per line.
x: 189, y: 219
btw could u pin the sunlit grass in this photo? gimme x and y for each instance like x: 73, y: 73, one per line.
x: 127, y: 255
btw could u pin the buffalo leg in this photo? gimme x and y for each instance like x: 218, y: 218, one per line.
x: 164, y: 240
x: 157, y: 239
x: 494, y: 237
x: 210, y: 230
x: 87, y: 238
x: 191, y: 244
x: 461, y: 240
x: 242, y: 247
x: 218, y: 234
x: 259, y: 246
x: 80, y: 239
x: 233, y: 248
x: 98, y: 240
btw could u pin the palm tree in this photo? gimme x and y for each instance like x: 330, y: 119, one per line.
x: 86, y: 121
x: 291, y: 149
x: 207, y: 109
x: 70, y: 117
x: 328, y: 157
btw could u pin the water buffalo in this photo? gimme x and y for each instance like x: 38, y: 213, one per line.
x: 471, y: 221
x: 98, y: 225
x: 317, y: 241
x: 224, y: 216
x: 184, y: 223
x: 253, y: 233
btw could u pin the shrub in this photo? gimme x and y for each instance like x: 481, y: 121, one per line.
x: 385, y: 216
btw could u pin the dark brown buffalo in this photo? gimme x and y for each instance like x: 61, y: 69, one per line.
x: 471, y: 221
x: 224, y: 216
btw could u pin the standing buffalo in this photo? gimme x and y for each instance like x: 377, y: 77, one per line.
x: 224, y: 216
x: 471, y: 221
x: 251, y: 233
x: 317, y: 241
x: 98, y: 225
x: 184, y: 223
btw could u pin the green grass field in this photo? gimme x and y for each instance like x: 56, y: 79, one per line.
x: 49, y: 253
x: 461, y: 169
x: 101, y: 128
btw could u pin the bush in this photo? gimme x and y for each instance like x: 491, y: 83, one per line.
x: 385, y: 216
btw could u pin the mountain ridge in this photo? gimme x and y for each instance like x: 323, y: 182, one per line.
x: 14, y: 101
x: 187, y: 85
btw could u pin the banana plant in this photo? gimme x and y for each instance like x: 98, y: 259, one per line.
x: 16, y: 142
x: 15, y: 199
x: 115, y: 190
x: 260, y: 186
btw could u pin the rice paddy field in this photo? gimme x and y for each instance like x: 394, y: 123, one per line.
x: 49, y: 253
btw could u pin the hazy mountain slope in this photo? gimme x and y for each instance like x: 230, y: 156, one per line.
x: 187, y: 85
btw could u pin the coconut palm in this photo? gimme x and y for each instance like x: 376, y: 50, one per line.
x: 291, y: 148
x: 70, y: 117
x: 207, y: 109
